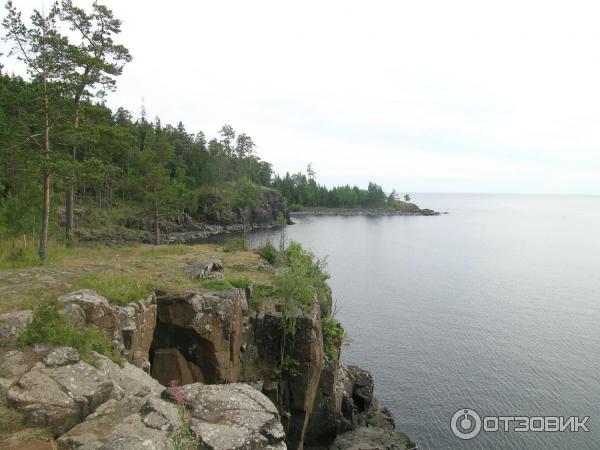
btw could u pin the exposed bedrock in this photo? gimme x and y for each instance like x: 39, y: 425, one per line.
x: 216, y: 348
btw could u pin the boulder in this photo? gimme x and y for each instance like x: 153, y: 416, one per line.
x: 11, y: 325
x: 372, y: 438
x: 123, y: 425
x: 61, y: 356
x: 232, y: 416
x: 59, y: 397
x: 128, y: 380
x: 200, y: 270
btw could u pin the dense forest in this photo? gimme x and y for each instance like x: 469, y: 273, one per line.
x: 62, y: 148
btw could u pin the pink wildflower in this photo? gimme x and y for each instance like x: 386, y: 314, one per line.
x: 176, y: 393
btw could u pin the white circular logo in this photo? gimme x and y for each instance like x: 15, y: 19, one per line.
x: 465, y: 423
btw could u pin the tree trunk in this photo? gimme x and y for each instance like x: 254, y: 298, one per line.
x: 156, y: 228
x: 43, y: 251
x: 70, y: 201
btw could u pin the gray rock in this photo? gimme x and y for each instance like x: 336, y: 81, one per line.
x: 117, y: 425
x: 128, y: 380
x: 372, y: 438
x: 11, y: 325
x: 61, y: 356
x: 200, y: 270
x: 232, y: 416
x: 59, y: 397
x: 13, y: 364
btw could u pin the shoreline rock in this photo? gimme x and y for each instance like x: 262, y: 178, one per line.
x: 228, y: 359
x: 368, y: 212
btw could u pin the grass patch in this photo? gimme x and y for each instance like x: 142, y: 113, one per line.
x: 260, y: 294
x: 50, y: 326
x: 11, y: 421
x: 227, y: 283
x: 118, y: 289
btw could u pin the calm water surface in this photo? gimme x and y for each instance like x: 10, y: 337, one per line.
x: 494, y: 307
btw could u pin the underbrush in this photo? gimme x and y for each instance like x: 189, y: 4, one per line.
x: 50, y: 326
x: 235, y: 244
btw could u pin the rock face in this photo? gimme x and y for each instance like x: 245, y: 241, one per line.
x: 60, y: 394
x: 206, y: 329
x: 209, y: 343
x: 11, y: 325
x: 232, y: 416
x: 214, y: 208
x: 129, y: 327
x: 113, y: 407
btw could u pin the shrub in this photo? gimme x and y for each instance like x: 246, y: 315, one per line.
x: 295, y: 207
x: 333, y: 337
x: 235, y: 244
x: 50, y: 326
x: 268, y: 252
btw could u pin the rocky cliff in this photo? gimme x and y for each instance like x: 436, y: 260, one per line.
x: 228, y: 359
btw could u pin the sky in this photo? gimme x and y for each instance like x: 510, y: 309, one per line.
x: 419, y: 96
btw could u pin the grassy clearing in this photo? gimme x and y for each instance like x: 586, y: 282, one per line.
x: 227, y: 283
x: 119, y: 289
x: 122, y: 274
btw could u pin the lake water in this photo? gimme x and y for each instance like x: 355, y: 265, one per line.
x: 494, y: 307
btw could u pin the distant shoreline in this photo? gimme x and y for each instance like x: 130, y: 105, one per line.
x: 370, y: 212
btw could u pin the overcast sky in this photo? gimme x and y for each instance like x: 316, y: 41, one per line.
x: 421, y: 96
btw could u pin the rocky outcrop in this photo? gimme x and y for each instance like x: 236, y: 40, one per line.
x: 206, y: 328
x: 208, y: 343
x: 129, y: 327
x: 114, y: 407
x: 232, y: 416
x: 217, y: 208
x: 372, y: 438
x: 201, y: 270
x: 59, y: 392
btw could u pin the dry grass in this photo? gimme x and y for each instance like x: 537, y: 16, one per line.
x: 121, y: 274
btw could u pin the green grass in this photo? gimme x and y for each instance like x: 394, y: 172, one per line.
x: 118, y: 289
x: 50, y: 326
x: 227, y: 283
x: 260, y: 294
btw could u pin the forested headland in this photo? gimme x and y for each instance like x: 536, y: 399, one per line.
x: 66, y: 157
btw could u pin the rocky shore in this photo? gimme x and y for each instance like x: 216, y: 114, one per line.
x: 223, y: 353
x: 370, y: 212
